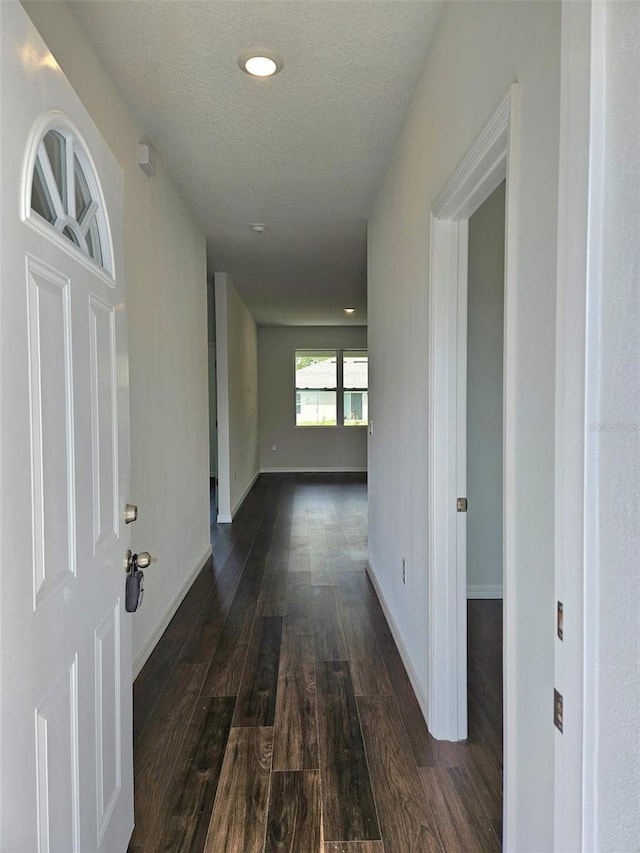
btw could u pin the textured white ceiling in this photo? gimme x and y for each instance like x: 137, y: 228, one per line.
x: 303, y: 152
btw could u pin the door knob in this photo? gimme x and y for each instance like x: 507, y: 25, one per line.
x: 139, y: 561
x: 130, y: 513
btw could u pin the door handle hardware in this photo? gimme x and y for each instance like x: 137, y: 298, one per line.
x: 134, y: 585
x: 142, y: 560
x: 130, y: 513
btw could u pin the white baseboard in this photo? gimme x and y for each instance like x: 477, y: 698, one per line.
x: 406, y: 660
x: 350, y: 469
x: 235, y: 509
x: 484, y: 591
x: 144, y: 653
x: 227, y: 518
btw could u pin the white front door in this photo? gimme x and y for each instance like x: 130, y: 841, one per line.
x: 66, y: 699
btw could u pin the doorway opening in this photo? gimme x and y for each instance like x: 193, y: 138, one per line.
x: 491, y: 162
x: 484, y: 452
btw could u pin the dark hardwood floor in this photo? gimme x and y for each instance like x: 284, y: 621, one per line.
x: 275, y: 713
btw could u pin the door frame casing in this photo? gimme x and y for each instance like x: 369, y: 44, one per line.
x: 580, y: 216
x: 493, y: 158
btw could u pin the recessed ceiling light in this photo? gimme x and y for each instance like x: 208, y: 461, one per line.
x: 260, y: 63
x: 258, y: 227
x: 348, y: 310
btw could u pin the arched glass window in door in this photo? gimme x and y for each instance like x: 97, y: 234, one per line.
x: 64, y: 192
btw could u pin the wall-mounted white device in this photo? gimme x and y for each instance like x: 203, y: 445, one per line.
x: 147, y: 159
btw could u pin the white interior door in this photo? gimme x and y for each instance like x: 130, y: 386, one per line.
x: 66, y: 713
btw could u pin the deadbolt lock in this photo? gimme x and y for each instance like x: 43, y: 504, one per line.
x: 130, y: 513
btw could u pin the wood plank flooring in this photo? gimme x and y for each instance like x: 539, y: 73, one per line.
x: 275, y: 713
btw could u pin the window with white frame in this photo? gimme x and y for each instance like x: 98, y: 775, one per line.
x: 331, y: 388
x: 64, y: 193
x: 355, y: 383
x: 316, y: 387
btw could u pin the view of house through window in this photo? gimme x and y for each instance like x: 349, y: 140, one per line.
x: 331, y: 387
x: 355, y: 381
x: 316, y: 388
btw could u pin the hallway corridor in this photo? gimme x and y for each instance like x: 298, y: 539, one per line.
x: 275, y: 713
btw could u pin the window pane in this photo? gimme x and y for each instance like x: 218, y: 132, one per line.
x: 83, y: 195
x: 356, y: 369
x: 316, y: 369
x: 316, y: 408
x: 80, y: 220
x: 93, y: 242
x: 55, y: 145
x: 356, y: 408
x: 40, y: 199
x: 70, y: 235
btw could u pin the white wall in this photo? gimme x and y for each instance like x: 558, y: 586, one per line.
x: 165, y: 266
x: 303, y: 448
x: 237, y: 380
x: 614, y: 438
x: 478, y: 50
x: 213, y: 391
x: 485, y: 331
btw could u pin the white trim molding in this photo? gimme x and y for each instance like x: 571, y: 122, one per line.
x: 493, y: 158
x: 349, y: 469
x: 488, y: 591
x: 244, y: 494
x: 145, y: 652
x: 397, y: 636
x: 227, y: 517
x: 481, y: 171
x: 580, y: 212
